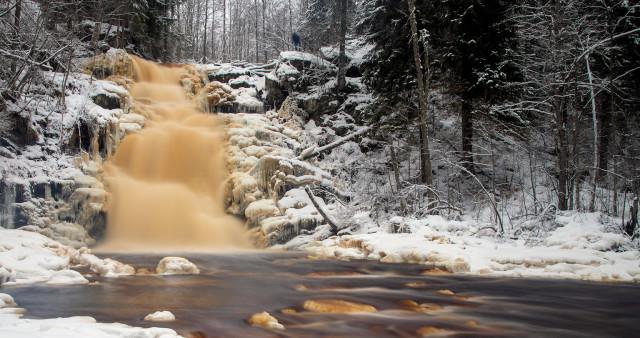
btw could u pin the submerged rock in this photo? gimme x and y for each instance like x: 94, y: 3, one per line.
x: 265, y: 320
x: 333, y: 305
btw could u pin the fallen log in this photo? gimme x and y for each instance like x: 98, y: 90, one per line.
x: 321, y: 210
x: 313, y: 152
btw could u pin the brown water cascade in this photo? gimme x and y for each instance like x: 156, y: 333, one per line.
x: 166, y: 179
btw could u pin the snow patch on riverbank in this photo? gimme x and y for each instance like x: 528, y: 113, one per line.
x: 27, y: 257
x: 13, y: 326
x: 580, y: 248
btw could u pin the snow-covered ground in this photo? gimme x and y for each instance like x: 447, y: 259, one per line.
x: 568, y: 245
x: 580, y: 248
x: 13, y: 326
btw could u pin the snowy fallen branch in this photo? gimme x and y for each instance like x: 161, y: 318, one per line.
x: 313, y: 152
x: 29, y: 61
x: 321, y: 210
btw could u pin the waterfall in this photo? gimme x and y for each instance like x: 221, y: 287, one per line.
x: 166, y: 180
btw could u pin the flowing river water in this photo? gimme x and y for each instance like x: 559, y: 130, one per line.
x: 233, y: 286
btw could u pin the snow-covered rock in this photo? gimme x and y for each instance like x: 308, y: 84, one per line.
x: 177, y: 266
x: 160, y: 316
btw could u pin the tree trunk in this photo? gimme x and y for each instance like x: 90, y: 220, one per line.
x: 204, y: 36
x: 16, y: 26
x: 213, y: 30
x: 290, y: 19
x: 425, y: 157
x: 592, y: 204
x: 224, y: 30
x: 396, y: 174
x: 165, y: 35
x: 16, y: 15
x: 342, y: 58
x: 264, y: 29
x: 98, y: 27
x: 467, y: 134
x: 255, y: 4
x: 562, y: 155
x: 559, y: 107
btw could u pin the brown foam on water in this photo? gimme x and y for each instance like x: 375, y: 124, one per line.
x: 166, y: 180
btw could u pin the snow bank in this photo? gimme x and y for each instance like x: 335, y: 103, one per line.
x: 66, y: 277
x: 580, y: 249
x: 13, y: 326
x: 27, y: 257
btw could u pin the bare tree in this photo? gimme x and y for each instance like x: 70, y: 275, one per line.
x: 425, y: 154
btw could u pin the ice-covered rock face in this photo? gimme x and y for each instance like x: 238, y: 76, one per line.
x: 232, y: 89
x: 68, y: 199
x: 266, y: 181
x: 114, y: 62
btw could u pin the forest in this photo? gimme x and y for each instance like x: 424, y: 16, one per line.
x: 289, y: 150
x: 487, y: 99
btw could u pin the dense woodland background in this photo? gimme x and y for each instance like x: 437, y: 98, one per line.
x: 524, y: 106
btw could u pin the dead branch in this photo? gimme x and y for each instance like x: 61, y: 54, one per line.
x: 313, y: 152
x: 324, y: 215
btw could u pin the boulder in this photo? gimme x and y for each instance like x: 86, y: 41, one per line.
x: 276, y: 93
x: 107, y: 100
x: 177, y: 266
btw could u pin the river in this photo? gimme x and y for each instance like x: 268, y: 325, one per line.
x: 233, y: 286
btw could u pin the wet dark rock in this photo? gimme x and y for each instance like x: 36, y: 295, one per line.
x: 23, y: 131
x: 54, y: 189
x: 276, y: 93
x: 107, y: 100
x: 21, y: 213
x: 98, y: 225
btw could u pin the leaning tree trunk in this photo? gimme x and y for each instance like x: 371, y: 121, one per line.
x: 425, y: 165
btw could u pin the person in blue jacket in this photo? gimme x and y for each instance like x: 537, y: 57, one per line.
x: 296, y: 40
